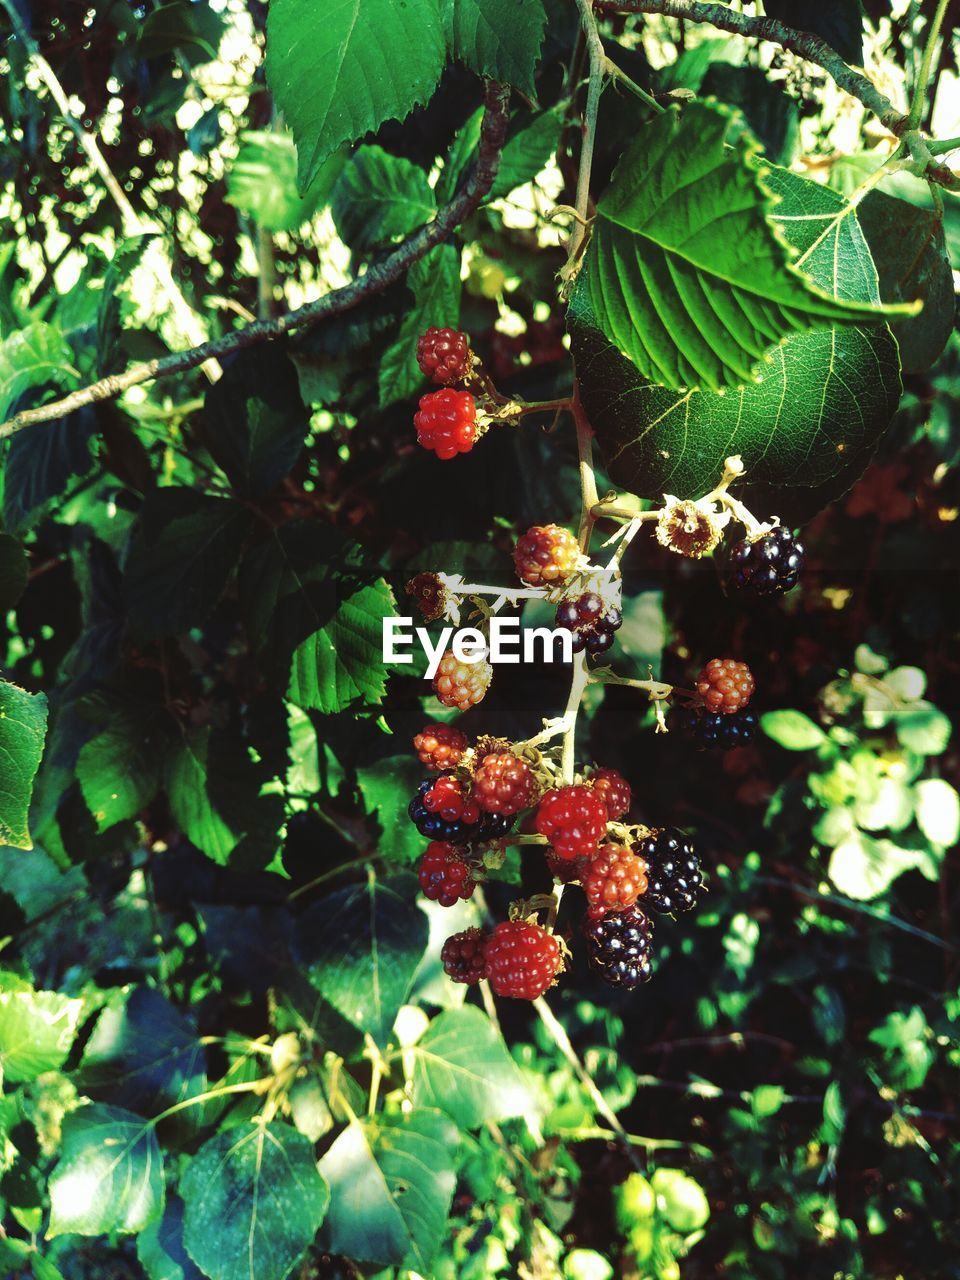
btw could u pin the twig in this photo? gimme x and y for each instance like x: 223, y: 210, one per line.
x: 595, y: 85
x: 812, y: 49
x: 926, y: 64
x: 375, y: 280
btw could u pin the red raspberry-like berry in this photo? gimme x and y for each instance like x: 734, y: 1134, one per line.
x: 615, y: 879
x: 545, y: 555
x: 443, y: 874
x: 451, y: 801
x: 443, y: 355
x: 440, y: 746
x: 573, y: 819
x: 463, y: 956
x: 446, y: 422
x: 522, y: 960
x: 725, y: 685
x: 615, y: 790
x: 461, y: 684
x: 503, y: 783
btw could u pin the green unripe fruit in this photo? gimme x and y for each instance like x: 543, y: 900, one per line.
x: 635, y: 1200
x: 681, y: 1200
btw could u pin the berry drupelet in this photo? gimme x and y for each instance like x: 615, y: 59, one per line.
x: 444, y: 355
x: 444, y: 876
x: 523, y: 960
x: 620, y: 946
x: 573, y: 819
x: 463, y: 956
x: 765, y: 566
x: 725, y: 685
x: 446, y: 422
x: 674, y: 879
x: 592, y: 622
x: 546, y: 555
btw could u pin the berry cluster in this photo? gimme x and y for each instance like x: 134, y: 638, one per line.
x: 592, y: 622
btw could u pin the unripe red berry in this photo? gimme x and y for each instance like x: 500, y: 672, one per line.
x: 523, y: 960
x: 463, y: 956
x: 440, y: 746
x: 446, y: 422
x: 546, y: 555
x: 615, y: 791
x: 725, y: 685
x: 503, y: 783
x: 573, y: 819
x: 461, y: 684
x: 615, y: 879
x: 444, y: 355
x: 443, y: 874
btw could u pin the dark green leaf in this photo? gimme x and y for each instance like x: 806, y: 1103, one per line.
x: 391, y: 1182
x: 814, y: 420
x: 687, y: 276
x: 23, y: 727
x: 120, y: 768
x: 179, y: 26
x: 338, y: 73
x: 361, y: 947
x: 387, y: 787
x: 435, y: 284
x: 109, y: 1176
x: 497, y: 38
x: 462, y: 1066
x: 183, y: 551
x: 379, y: 197
x: 254, y: 421
x: 160, y: 1247
x: 40, y: 464
x: 527, y: 152
x: 254, y: 1201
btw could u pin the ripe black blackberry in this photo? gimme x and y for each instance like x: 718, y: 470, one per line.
x: 674, y: 879
x: 592, y: 622
x: 489, y: 826
x: 767, y: 566
x: 620, y: 946
x: 715, y: 732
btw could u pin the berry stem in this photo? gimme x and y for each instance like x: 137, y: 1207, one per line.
x: 543, y: 406
x: 588, y: 481
x: 577, y: 685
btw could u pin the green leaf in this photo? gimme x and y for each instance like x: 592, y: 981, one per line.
x: 767, y: 1099
x: 391, y: 1181
x: 435, y: 284
x: 838, y: 22
x: 379, y: 197
x: 120, y: 768
x: 41, y: 462
x: 144, y: 1055
x: 361, y: 947
x: 792, y: 730
x: 887, y: 807
x: 497, y: 38
x: 461, y: 1065
x: 254, y: 421
x: 527, y: 152
x: 339, y: 72
x: 387, y: 787
x: 23, y: 727
x: 36, y: 1031
x: 904, y: 1040
x: 262, y: 182
x: 160, y: 1247
x: 109, y: 1176
x: 863, y: 868
x: 910, y: 252
x: 686, y: 273
x: 834, y: 1112
x: 254, y: 1201
x: 924, y: 729
x: 314, y: 609
x: 938, y: 811
x: 183, y: 551
x: 183, y: 27
x: 29, y: 358
x: 814, y: 420
x: 13, y: 571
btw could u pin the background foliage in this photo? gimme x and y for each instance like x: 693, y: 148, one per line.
x: 226, y: 1044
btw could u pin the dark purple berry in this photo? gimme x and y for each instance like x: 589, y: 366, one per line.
x: 674, y: 879
x: 767, y: 566
x: 619, y: 947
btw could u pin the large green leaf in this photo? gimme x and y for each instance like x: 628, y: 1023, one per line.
x: 338, y: 71
x: 160, y: 1247
x: 360, y: 948
x: 379, y: 197
x: 183, y: 551
x: 814, y: 420
x: 30, y: 357
x: 863, y: 868
x: 36, y: 1031
x: 120, y: 768
x: 254, y: 1201
x: 109, y: 1176
x: 314, y: 610
x: 254, y: 421
x: 497, y: 38
x: 387, y: 787
x: 391, y: 1182
x: 23, y: 727
x: 435, y: 284
x: 262, y: 182
x: 688, y: 276
x: 462, y: 1066
x: 41, y: 462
